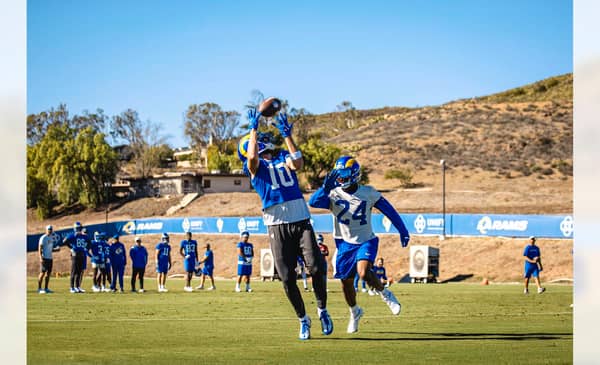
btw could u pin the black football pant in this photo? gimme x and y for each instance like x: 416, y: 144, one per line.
x: 135, y: 272
x: 288, y: 241
x: 77, y: 269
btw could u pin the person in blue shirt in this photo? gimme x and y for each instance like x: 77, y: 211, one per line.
x: 118, y: 261
x: 351, y: 204
x: 139, y: 260
x: 245, y: 252
x: 286, y: 215
x: 533, y: 265
x: 107, y: 273
x: 302, y: 269
x: 163, y: 262
x: 97, y: 247
x: 379, y: 271
x: 209, y: 265
x: 188, y: 249
x: 79, y: 243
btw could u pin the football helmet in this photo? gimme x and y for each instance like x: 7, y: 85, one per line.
x: 77, y: 227
x: 264, y: 141
x: 165, y: 237
x: 319, y: 238
x: 245, y: 234
x: 96, y: 236
x: 348, y: 171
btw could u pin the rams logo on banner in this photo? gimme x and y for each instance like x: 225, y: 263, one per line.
x: 129, y: 227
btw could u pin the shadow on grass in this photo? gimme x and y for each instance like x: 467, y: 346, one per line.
x: 457, y: 278
x: 427, y: 336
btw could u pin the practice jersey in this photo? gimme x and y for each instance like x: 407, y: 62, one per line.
x: 277, y: 186
x: 139, y: 256
x: 248, y: 250
x: 97, y: 252
x: 352, y: 213
x: 189, y: 248
x: 164, y: 250
x: 47, y: 244
x: 78, y: 242
x: 106, y: 249
x: 531, y: 251
x: 380, y: 272
x: 209, y: 262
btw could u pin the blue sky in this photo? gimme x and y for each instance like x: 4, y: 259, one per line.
x: 158, y: 57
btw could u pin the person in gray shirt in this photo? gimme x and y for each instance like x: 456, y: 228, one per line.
x: 45, y: 248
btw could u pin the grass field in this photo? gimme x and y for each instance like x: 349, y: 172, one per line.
x: 440, y: 323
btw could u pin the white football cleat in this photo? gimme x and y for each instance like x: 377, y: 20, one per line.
x: 212, y: 288
x: 80, y: 290
x: 200, y: 287
x: 305, y: 329
x: 237, y: 290
x: 541, y: 290
x: 41, y: 291
x: 73, y: 290
x: 354, y: 318
x: 388, y: 297
x: 188, y: 289
x: 141, y: 291
x: 364, y: 290
x: 249, y: 290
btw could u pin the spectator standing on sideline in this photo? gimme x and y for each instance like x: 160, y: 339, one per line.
x: 302, y: 268
x: 245, y: 255
x: 533, y: 265
x: 45, y: 248
x: 118, y: 261
x: 79, y: 244
x: 209, y: 266
x: 188, y: 249
x: 139, y: 259
x: 163, y: 262
x: 286, y: 215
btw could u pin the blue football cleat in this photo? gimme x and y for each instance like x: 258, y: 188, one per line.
x: 305, y: 329
x: 326, y: 323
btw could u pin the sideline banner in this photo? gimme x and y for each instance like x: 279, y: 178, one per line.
x: 554, y: 226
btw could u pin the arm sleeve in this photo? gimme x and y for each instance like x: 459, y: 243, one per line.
x: 388, y: 210
x: 319, y: 199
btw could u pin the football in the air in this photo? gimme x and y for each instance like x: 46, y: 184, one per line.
x: 269, y: 107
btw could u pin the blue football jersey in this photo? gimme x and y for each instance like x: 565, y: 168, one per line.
x: 274, y: 182
x: 189, y: 247
x: 380, y: 272
x: 106, y: 248
x: 209, y: 258
x: 164, y: 250
x: 97, y: 252
x: 117, y: 254
x: 248, y: 250
x: 79, y: 242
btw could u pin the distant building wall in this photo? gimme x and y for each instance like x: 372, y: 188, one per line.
x: 223, y: 183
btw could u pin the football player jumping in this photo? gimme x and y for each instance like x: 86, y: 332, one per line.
x: 286, y: 215
x: 350, y: 204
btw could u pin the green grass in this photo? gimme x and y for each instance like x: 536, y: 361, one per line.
x: 440, y: 323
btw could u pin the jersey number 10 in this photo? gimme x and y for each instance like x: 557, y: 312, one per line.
x: 285, y: 176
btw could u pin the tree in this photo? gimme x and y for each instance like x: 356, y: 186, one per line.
x: 319, y: 158
x: 348, y: 115
x: 208, y: 123
x: 69, y: 165
x: 142, y: 137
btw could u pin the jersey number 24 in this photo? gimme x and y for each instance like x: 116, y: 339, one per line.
x: 360, y: 214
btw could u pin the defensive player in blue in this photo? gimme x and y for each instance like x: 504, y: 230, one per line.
x: 163, y: 262
x: 533, y: 265
x: 350, y: 204
x: 107, y: 274
x: 245, y: 254
x: 118, y: 260
x: 79, y: 244
x: 139, y: 260
x: 97, y: 261
x: 286, y: 215
x: 209, y: 265
x: 188, y: 249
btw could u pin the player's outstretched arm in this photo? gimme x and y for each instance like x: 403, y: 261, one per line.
x: 295, y: 161
x: 252, y: 154
x: 388, y: 210
x: 320, y: 198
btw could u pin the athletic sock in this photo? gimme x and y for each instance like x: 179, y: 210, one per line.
x: 305, y: 318
x: 319, y: 311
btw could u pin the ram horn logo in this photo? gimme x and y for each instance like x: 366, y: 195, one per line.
x: 484, y: 224
x: 420, y: 223
x: 129, y: 227
x: 566, y: 226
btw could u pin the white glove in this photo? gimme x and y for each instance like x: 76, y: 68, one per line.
x: 187, y: 257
